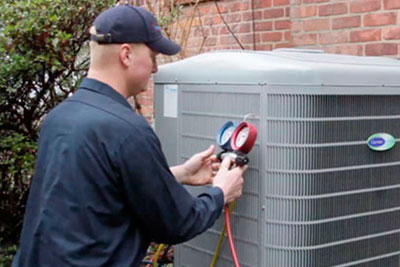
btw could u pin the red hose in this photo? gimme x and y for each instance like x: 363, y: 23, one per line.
x: 230, y: 238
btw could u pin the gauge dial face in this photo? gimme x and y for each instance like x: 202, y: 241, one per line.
x: 227, y: 134
x: 242, y: 136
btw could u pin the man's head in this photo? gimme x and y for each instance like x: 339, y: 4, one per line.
x: 129, y: 24
x: 124, y: 43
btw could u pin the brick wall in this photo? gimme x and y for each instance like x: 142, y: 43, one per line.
x: 355, y: 27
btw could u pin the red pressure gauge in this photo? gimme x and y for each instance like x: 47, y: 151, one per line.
x: 244, y: 137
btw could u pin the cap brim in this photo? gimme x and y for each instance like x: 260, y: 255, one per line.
x: 164, y: 46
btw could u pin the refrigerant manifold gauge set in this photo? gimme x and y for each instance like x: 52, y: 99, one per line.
x: 236, y: 140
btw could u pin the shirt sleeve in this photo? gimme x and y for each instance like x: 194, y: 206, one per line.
x: 164, y: 208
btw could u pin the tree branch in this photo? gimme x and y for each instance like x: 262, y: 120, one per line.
x: 227, y: 26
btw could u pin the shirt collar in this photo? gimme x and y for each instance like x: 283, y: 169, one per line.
x: 104, y: 89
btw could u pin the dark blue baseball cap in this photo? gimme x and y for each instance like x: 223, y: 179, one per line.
x: 129, y: 24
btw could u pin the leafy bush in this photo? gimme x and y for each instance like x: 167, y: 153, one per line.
x: 41, y: 45
x: 16, y: 168
x: 43, y: 55
x: 6, y: 255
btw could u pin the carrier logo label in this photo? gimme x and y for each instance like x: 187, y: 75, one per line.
x: 381, y: 142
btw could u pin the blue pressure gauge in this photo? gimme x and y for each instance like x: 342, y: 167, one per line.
x: 225, y: 134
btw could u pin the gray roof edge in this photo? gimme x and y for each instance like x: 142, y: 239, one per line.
x: 281, y: 67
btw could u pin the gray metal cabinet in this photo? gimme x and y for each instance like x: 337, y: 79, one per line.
x: 315, y: 194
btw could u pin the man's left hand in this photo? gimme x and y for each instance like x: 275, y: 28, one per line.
x: 200, y: 169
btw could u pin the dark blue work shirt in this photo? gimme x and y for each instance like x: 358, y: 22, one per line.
x: 102, y: 189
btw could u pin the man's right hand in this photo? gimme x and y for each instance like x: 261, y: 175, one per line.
x: 230, y: 180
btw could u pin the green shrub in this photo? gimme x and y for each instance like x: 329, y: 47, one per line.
x: 16, y: 169
x: 6, y: 255
x: 43, y: 55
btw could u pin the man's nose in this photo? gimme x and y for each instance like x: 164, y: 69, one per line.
x: 155, y: 68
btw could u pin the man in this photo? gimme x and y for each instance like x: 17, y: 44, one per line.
x: 102, y: 189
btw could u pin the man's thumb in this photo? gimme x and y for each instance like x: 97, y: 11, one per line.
x: 226, y: 163
x: 208, y: 152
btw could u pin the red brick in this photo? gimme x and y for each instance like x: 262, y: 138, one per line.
x: 365, y: 6
x: 381, y: 49
x: 225, y: 40
x: 365, y: 35
x: 186, y: 12
x: 263, y: 26
x: 297, y: 25
x: 247, y: 39
x: 288, y: 36
x: 220, y: 47
x: 248, y: 47
x: 380, y: 19
x: 281, y: 2
x: 282, y: 45
x: 218, y: 19
x: 249, y: 15
x: 149, y: 93
x: 214, y: 31
x: 262, y: 3
x: 213, y: 9
x: 197, y: 31
x: 264, y: 47
x: 240, y: 28
x: 333, y: 9
x: 314, y: 1
x: 391, y: 33
x: 305, y: 39
x: 236, y: 17
x: 211, y: 41
x: 391, y: 4
x: 271, y: 36
x: 346, y: 22
x: 273, y: 13
x: 245, y: 28
x: 316, y: 24
x: 192, y: 42
x: 333, y: 37
x: 147, y: 111
x: 356, y: 50
x: 287, y: 11
x: 204, y: 9
x: 223, y: 30
x: 282, y: 24
x: 304, y: 11
x: 145, y: 101
x: 240, y: 6
x: 233, y: 27
x: 212, y: 20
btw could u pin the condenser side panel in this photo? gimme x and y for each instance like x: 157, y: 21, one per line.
x: 166, y: 119
x: 203, y: 109
x: 329, y: 199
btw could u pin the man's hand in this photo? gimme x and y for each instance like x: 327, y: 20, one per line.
x: 200, y: 169
x: 230, y: 180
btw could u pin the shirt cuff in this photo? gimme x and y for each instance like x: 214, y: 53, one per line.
x: 218, y: 195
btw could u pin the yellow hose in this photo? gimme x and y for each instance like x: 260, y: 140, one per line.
x: 158, y: 252
x: 221, y: 238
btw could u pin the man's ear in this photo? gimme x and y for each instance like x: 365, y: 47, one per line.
x: 126, y: 54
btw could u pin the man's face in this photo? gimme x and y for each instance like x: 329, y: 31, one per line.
x: 144, y: 64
